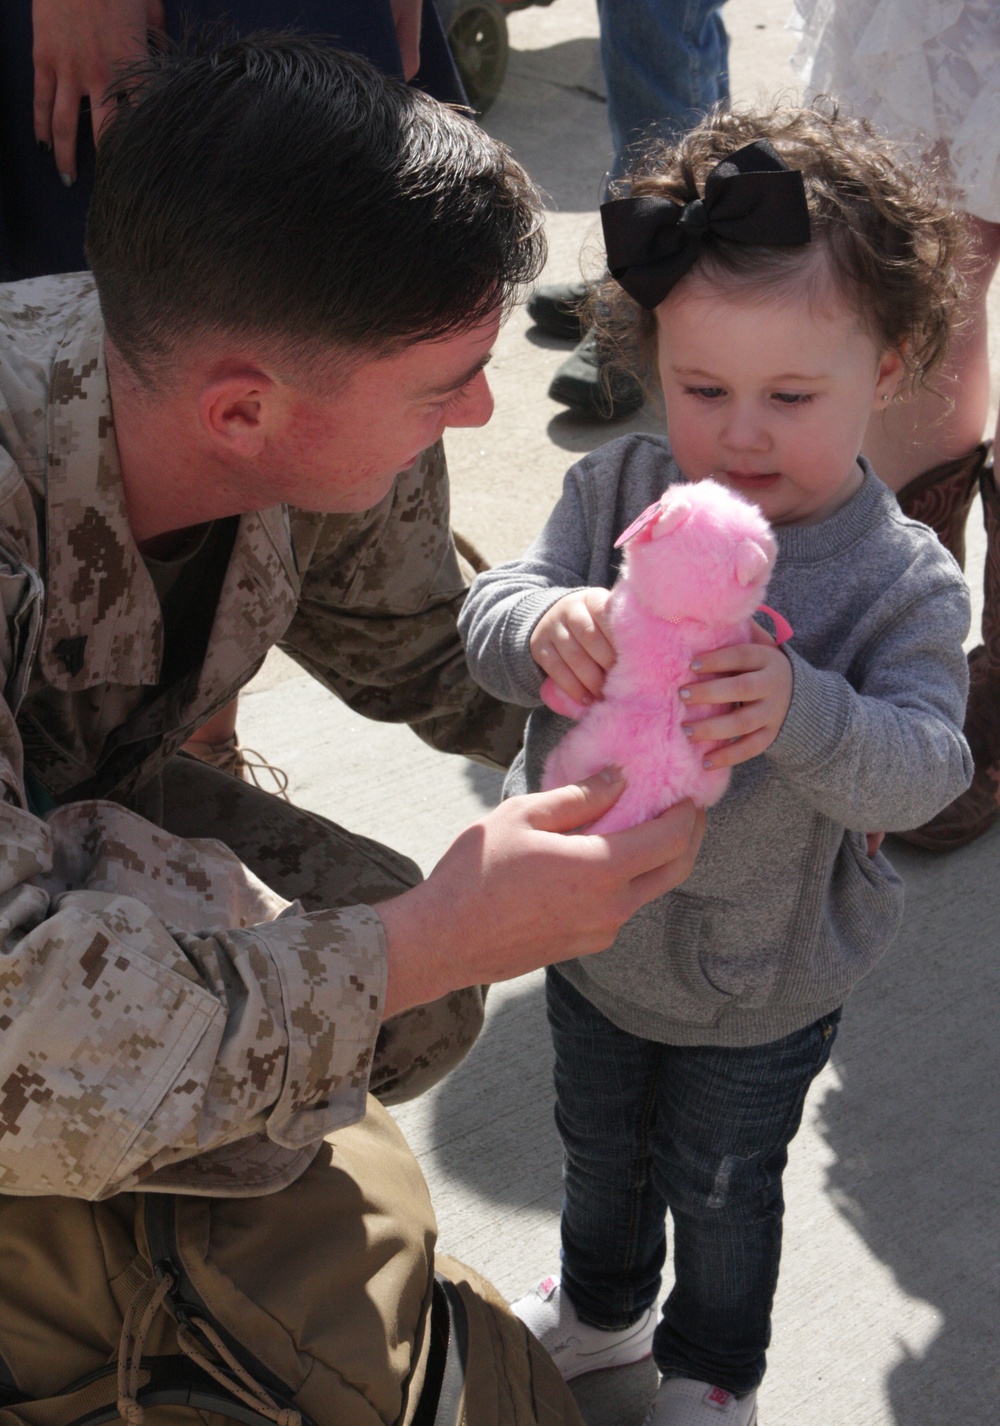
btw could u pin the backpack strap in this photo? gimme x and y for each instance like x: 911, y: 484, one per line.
x: 202, y: 1334
x: 449, y: 1329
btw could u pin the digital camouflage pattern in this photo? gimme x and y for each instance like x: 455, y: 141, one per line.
x: 176, y: 1012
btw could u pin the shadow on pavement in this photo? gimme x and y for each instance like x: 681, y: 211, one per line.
x: 914, y: 1126
x: 485, y: 782
x: 500, y: 1099
x: 553, y: 115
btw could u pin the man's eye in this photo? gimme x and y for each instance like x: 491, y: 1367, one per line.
x: 452, y: 399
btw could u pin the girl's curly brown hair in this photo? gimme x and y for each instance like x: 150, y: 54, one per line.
x: 895, y: 246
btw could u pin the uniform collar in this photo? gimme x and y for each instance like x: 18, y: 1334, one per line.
x: 103, y: 623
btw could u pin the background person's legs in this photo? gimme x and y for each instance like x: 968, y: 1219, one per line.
x: 665, y: 62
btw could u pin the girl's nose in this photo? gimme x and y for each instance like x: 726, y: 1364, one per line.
x: 744, y: 429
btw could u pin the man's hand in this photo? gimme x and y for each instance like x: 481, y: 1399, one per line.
x: 571, y: 643
x: 515, y: 892
x: 77, y: 44
x: 757, y: 677
x: 406, y: 18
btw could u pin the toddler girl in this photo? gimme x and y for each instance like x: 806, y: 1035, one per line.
x: 787, y: 278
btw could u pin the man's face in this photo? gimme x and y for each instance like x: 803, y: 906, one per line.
x: 342, y: 453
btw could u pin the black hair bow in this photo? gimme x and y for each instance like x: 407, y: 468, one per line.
x: 752, y: 196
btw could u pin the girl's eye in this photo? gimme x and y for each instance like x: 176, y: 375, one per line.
x: 793, y: 398
x: 707, y: 393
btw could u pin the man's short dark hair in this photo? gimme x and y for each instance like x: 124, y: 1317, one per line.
x: 279, y: 190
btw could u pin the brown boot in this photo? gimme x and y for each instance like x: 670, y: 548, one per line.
x: 942, y: 497
x: 970, y: 815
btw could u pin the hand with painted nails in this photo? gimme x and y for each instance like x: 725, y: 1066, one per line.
x: 571, y: 642
x: 77, y: 45
x: 756, y: 679
x: 406, y: 16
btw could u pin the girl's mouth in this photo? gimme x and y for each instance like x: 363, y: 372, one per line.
x: 754, y: 480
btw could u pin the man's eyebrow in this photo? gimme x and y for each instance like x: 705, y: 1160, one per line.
x: 459, y: 381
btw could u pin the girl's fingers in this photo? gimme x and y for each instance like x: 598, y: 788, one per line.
x: 740, y: 751
x: 734, y: 688
x: 739, y: 723
x: 562, y: 674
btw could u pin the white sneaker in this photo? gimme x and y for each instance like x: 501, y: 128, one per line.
x: 575, y: 1346
x: 683, y: 1402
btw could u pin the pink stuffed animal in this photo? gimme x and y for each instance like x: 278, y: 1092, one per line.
x: 696, y: 566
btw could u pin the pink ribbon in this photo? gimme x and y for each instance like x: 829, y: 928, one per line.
x: 782, y: 629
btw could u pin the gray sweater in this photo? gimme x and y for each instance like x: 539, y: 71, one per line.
x: 784, y: 911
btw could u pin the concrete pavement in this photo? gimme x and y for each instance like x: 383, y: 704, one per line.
x: 888, y: 1309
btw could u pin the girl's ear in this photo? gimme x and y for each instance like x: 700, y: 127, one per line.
x: 890, y: 373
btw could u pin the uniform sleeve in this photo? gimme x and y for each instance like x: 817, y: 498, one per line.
x: 883, y: 749
x: 158, y: 1002
x: 377, y: 621
x: 505, y: 603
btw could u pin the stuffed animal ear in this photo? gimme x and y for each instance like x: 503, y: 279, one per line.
x: 675, y: 514
x: 751, y: 561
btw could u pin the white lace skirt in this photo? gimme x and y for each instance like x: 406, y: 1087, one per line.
x: 926, y: 71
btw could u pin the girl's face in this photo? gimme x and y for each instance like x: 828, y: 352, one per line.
x: 770, y: 397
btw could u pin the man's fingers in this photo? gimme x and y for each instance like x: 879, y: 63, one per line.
x: 564, y: 809
x: 651, y: 884
x: 648, y: 848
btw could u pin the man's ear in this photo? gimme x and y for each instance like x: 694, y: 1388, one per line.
x: 236, y: 408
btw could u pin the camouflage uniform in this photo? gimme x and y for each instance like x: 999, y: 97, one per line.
x: 191, y: 971
x: 254, y: 1021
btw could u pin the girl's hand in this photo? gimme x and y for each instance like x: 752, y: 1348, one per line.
x: 572, y: 644
x: 757, y: 677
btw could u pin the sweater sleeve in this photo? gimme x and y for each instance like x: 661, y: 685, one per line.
x: 506, y: 602
x: 882, y: 748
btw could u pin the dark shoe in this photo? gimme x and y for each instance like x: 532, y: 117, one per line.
x: 604, y: 393
x: 942, y: 497
x: 970, y: 815
x: 555, y: 310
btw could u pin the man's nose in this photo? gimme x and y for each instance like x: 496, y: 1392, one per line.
x: 476, y: 405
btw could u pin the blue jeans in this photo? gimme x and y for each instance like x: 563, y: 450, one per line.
x: 701, y: 1131
x: 665, y: 63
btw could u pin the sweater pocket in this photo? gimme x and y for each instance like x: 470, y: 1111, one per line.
x: 851, y: 928
x: 659, y: 960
